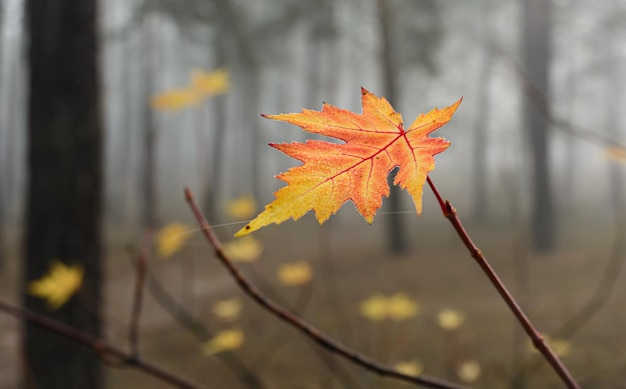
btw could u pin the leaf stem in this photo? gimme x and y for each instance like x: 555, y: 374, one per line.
x: 449, y: 212
x: 305, y: 328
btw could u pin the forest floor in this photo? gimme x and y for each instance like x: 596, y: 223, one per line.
x: 351, y: 264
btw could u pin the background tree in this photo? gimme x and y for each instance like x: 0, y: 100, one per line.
x: 537, y: 39
x: 64, y: 189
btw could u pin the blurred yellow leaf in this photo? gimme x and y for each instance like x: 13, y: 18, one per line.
x: 374, y: 308
x: 246, y: 249
x: 401, y: 307
x: 412, y: 368
x: 560, y: 347
x: 397, y: 307
x: 295, y: 273
x: 175, y: 99
x: 171, y: 238
x: 210, y: 84
x: 469, y: 371
x: 615, y: 153
x: 223, y: 341
x: 58, y: 285
x: 242, y: 207
x: 450, y: 319
x: 228, y: 309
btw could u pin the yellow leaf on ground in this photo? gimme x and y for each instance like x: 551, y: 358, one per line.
x: 469, y: 371
x: 374, y: 308
x: 210, y: 84
x: 295, y: 273
x: 171, y: 238
x: 242, y: 207
x: 228, y: 309
x: 450, y: 319
x: 223, y: 341
x: 397, y: 307
x: 401, y: 307
x: 412, y: 368
x: 58, y: 285
x: 246, y: 249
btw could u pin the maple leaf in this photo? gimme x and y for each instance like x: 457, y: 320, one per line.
x: 58, y: 285
x: 331, y: 174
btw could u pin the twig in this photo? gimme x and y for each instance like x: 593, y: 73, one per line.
x: 97, y: 345
x: 302, y: 326
x: 133, y: 333
x: 449, y: 212
x: 198, y: 330
x: 541, y: 102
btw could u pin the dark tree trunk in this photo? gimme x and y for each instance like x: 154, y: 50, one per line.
x: 63, y: 212
x: 536, y: 57
x: 397, y: 236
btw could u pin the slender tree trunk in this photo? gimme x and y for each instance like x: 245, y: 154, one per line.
x: 480, y: 183
x: 148, y: 215
x: 397, y: 235
x: 536, y: 57
x: 63, y: 212
x: 216, y: 165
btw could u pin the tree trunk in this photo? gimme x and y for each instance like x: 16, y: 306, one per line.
x: 481, y: 168
x: 536, y: 57
x: 63, y: 212
x: 397, y: 237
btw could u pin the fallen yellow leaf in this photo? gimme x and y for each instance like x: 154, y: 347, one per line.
x: 295, y: 273
x: 228, y: 309
x: 412, y: 368
x: 450, y: 319
x: 469, y: 371
x: 223, y: 341
x: 397, y: 307
x: 246, y: 249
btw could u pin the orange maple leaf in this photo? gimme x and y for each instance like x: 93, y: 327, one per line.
x: 375, y: 142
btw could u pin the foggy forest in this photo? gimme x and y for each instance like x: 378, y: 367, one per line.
x: 135, y: 142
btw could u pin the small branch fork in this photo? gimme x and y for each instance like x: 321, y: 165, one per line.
x: 97, y: 345
x: 302, y: 326
x: 449, y: 212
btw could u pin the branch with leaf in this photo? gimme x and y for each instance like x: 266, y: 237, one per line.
x: 376, y: 142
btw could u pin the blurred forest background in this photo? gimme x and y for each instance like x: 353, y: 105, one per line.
x: 535, y: 169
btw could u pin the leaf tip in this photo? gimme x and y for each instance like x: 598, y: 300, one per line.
x: 244, y: 231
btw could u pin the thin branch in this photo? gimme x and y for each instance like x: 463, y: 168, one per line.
x: 133, y: 333
x: 299, y: 324
x: 449, y: 212
x: 97, y: 345
x: 198, y: 330
x: 541, y: 102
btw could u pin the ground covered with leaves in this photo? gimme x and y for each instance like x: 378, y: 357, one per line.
x: 430, y: 310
